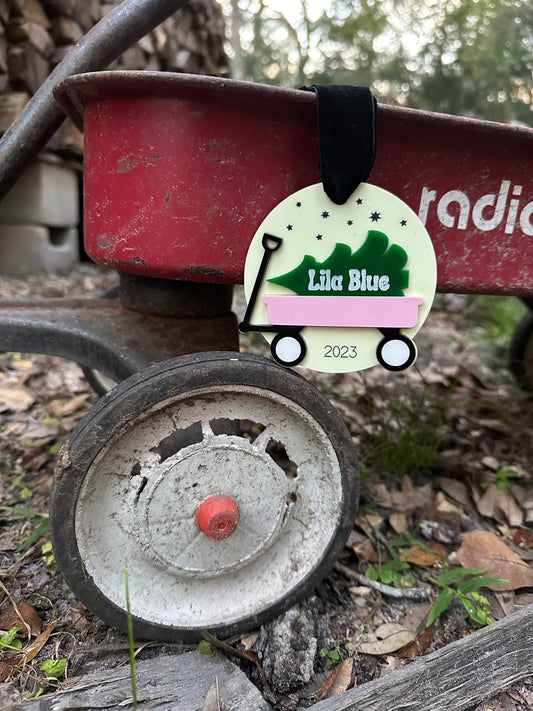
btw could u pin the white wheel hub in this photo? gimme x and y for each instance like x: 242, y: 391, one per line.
x: 167, y: 507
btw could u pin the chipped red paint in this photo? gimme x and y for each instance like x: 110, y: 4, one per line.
x: 180, y: 171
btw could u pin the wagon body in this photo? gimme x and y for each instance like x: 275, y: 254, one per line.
x: 199, y: 161
x: 346, y: 311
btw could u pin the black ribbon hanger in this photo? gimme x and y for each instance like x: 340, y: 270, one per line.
x: 346, y: 136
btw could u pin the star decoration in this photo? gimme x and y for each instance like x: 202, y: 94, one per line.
x: 375, y: 216
x: 403, y: 223
x: 359, y: 201
x: 319, y: 237
x: 298, y: 204
x: 325, y: 214
x: 350, y: 222
x: 289, y: 228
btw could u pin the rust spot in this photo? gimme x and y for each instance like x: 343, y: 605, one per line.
x: 203, y: 271
x: 138, y: 260
x: 129, y: 162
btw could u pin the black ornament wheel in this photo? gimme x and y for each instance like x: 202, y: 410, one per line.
x: 396, y: 352
x: 288, y: 348
x: 226, y: 484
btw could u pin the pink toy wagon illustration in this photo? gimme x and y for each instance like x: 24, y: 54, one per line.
x: 288, y: 314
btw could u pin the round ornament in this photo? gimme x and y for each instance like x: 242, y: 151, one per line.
x: 340, y: 288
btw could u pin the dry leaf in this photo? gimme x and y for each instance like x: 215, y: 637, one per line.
x: 444, y: 505
x: 338, y: 681
x: 420, y: 645
x: 421, y: 556
x: 359, y: 591
x: 499, y: 505
x: 456, y: 490
x: 16, y: 398
x: 7, y: 666
x: 60, y: 409
x: 398, y: 523
x: 482, y: 549
x: 410, y: 498
x: 365, y: 551
x: 34, y: 458
x: 9, y: 617
x: 523, y: 538
x: 249, y: 640
x: 38, y: 643
x: 389, y: 638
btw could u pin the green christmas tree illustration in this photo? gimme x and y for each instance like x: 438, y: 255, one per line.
x: 375, y: 256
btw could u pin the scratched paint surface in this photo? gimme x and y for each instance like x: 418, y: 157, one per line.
x: 180, y: 171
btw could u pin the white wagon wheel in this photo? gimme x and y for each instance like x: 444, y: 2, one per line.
x: 226, y: 484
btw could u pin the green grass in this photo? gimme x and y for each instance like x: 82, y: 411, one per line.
x: 494, y: 318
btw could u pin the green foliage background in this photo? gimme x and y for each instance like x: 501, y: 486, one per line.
x: 468, y: 57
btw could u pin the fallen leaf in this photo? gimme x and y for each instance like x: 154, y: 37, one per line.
x: 444, y: 505
x: 359, y: 590
x: 338, y: 681
x: 415, y: 618
x: 491, y: 463
x: 10, y: 616
x: 60, y: 409
x: 16, y: 398
x: 456, y: 490
x: 420, y: 645
x: 482, y: 549
x: 34, y: 458
x: 249, y: 640
x: 398, y: 523
x: 408, y: 499
x: 6, y: 667
x: 365, y: 551
x: 499, y: 505
x: 421, y: 556
x: 523, y: 538
x: 38, y: 643
x: 388, y: 638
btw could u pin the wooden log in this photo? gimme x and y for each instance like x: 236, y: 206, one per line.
x: 27, y: 68
x: 31, y: 10
x: 453, y: 678
x: 178, y: 683
x: 4, y: 12
x: 65, y: 30
x: 87, y: 13
x: 11, y: 105
x: 55, y: 8
x: 22, y: 30
x: 3, y: 54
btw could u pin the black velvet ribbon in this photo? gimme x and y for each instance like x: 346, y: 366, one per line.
x: 346, y: 136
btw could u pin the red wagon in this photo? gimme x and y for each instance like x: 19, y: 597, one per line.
x: 179, y: 171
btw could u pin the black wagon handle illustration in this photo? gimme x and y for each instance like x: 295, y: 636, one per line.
x: 288, y: 347
x: 290, y: 313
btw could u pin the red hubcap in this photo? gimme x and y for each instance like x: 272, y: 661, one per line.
x: 218, y: 516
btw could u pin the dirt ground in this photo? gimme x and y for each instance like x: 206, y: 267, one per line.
x: 446, y: 453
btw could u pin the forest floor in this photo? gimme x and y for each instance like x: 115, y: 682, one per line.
x: 447, y: 470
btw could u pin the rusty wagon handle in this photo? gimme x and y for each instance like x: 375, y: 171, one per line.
x: 104, y: 43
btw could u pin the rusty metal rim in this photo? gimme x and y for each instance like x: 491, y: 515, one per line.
x: 75, y: 92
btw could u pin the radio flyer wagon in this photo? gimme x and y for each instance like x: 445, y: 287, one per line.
x: 226, y: 483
